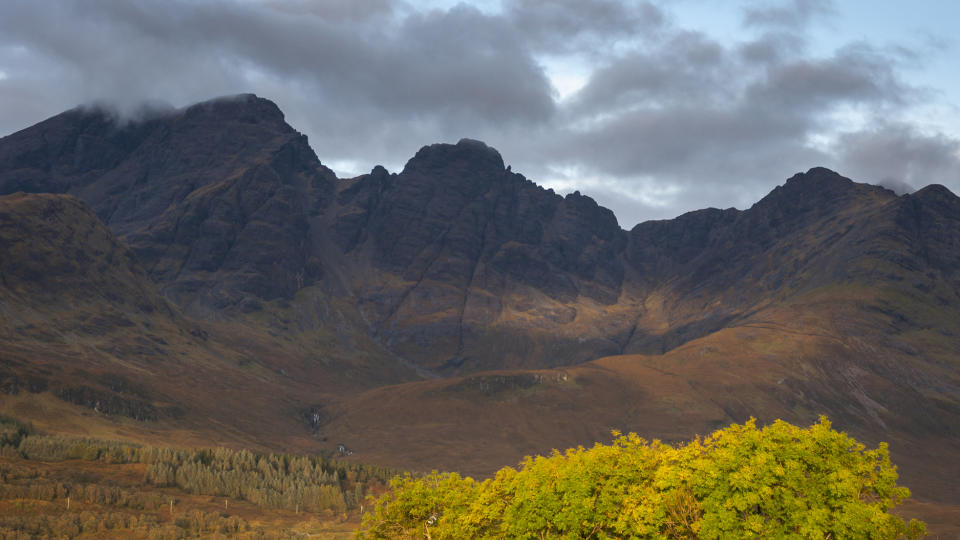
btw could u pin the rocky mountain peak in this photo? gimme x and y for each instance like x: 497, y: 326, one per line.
x: 248, y: 108
x: 817, y: 182
x: 602, y: 217
x: 934, y: 194
x: 817, y: 192
x: 467, y: 154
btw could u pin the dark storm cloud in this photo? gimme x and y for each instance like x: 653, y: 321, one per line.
x: 581, y: 25
x: 423, y: 64
x: 897, y: 156
x: 670, y: 118
x: 337, y: 10
x: 857, y: 74
x: 687, y: 68
x: 358, y: 81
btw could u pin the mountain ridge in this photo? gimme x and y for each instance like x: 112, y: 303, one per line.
x: 460, y: 249
x: 457, y: 288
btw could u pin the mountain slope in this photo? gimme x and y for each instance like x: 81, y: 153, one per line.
x: 817, y: 229
x: 817, y: 355
x: 455, y: 314
x: 828, y: 297
x: 89, y: 346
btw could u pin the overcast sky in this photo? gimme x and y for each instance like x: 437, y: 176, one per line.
x: 652, y: 108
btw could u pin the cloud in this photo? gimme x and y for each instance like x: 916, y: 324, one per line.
x: 686, y: 68
x: 791, y: 14
x: 341, y: 11
x: 710, y: 124
x: 581, y: 26
x: 718, y: 124
x: 669, y: 118
x: 435, y: 61
x: 856, y: 74
x: 899, y: 157
x: 341, y: 76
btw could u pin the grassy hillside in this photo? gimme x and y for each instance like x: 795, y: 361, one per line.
x: 89, y: 347
x: 795, y: 362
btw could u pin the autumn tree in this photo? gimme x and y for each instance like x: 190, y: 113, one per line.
x: 740, y: 482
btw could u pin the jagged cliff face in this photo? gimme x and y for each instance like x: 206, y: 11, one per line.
x: 470, y: 254
x: 229, y: 209
x: 457, y: 263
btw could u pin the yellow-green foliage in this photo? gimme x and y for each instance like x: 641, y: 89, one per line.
x: 781, y: 481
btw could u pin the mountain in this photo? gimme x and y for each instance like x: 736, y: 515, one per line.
x: 207, y: 198
x: 454, y: 314
x: 826, y: 297
x: 227, y: 207
x: 89, y: 346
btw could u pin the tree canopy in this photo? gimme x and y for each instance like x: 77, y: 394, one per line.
x: 779, y: 481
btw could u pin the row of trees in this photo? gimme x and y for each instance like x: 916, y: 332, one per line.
x: 41, y: 501
x: 741, y: 482
x: 55, y: 448
x: 89, y: 493
x: 284, y: 481
x: 300, y: 483
x: 93, y: 524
